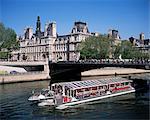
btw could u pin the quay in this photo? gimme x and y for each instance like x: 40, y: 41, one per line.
x: 24, y: 77
x: 36, y: 71
x: 108, y: 71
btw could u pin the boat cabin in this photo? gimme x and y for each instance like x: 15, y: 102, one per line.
x: 79, y: 90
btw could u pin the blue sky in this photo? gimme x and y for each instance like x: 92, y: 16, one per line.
x: 130, y: 17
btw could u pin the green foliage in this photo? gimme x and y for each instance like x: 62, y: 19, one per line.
x: 8, y: 38
x: 128, y: 51
x: 3, y: 55
x: 102, y: 47
x: 95, y: 47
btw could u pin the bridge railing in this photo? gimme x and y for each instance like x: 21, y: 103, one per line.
x: 14, y: 61
x: 108, y: 61
x: 23, y: 63
x: 115, y: 61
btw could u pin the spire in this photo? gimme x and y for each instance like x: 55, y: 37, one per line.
x: 38, y: 18
x: 38, y: 26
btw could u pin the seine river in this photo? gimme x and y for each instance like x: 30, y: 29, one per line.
x: 14, y: 105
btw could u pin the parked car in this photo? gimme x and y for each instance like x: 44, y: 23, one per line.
x: 13, y: 72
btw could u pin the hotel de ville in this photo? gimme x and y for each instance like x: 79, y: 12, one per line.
x: 48, y: 45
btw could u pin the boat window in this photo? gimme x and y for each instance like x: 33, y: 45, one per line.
x: 126, y: 83
x: 117, y: 84
x: 94, y: 88
x: 65, y: 91
x: 100, y: 87
x: 86, y: 89
x: 59, y: 87
x: 79, y: 90
x: 53, y: 88
x: 111, y: 85
x: 105, y: 87
x: 72, y: 93
x: 122, y: 84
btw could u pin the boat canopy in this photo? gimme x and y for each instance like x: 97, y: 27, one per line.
x: 91, y: 83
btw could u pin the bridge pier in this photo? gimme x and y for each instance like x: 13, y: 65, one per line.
x: 47, y: 69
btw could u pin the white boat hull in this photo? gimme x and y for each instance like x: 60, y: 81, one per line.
x: 65, y: 105
x: 46, y: 102
x: 38, y: 98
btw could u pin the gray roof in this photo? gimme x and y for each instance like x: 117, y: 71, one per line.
x: 92, y: 83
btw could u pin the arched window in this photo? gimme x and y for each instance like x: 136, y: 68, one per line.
x: 44, y: 56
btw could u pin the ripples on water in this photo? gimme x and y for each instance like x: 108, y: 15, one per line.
x: 14, y: 105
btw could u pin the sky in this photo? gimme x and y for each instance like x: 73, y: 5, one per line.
x: 129, y: 17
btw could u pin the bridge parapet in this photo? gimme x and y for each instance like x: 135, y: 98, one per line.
x: 110, y: 61
x: 22, y: 63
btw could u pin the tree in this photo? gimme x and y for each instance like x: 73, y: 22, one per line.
x: 2, y: 33
x: 7, y: 41
x: 95, y: 47
x: 129, y: 52
x: 8, y: 38
x: 3, y: 55
x: 102, y: 47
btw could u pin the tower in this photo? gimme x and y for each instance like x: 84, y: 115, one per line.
x: 50, y: 29
x: 38, y: 27
x: 115, y: 34
x: 142, y: 36
x: 53, y: 29
x: 28, y: 32
x: 45, y: 30
x: 80, y: 27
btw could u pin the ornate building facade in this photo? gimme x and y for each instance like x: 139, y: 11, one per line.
x: 66, y: 45
x: 49, y: 45
x: 36, y: 46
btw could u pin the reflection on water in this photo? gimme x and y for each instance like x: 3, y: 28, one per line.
x: 14, y: 105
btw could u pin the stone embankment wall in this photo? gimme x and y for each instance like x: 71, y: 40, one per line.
x: 30, y: 76
x: 113, y: 71
x: 27, y: 76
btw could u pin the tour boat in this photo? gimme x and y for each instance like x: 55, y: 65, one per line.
x: 42, y: 95
x: 77, y: 92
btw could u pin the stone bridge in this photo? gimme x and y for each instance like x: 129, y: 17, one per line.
x: 64, y: 70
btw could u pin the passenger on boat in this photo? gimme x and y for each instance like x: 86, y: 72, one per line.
x: 79, y: 94
x: 58, y: 99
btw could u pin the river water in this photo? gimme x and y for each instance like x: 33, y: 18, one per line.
x: 14, y: 105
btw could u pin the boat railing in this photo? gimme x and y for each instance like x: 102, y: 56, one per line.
x: 97, y: 94
x: 121, y: 89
